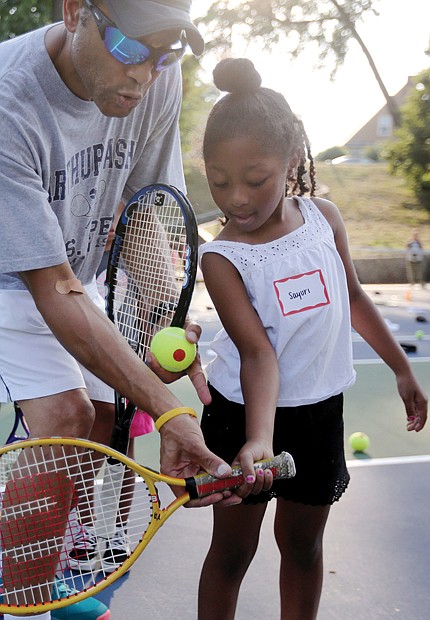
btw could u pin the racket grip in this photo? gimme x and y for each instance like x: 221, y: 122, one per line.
x: 281, y: 466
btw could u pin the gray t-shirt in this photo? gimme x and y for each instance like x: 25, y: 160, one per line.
x: 64, y: 167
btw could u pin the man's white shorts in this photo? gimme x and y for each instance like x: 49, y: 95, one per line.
x: 33, y: 363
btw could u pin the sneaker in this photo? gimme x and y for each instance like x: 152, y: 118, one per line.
x: 88, y: 609
x: 84, y: 554
x: 117, y: 551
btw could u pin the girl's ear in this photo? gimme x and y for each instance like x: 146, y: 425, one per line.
x: 292, y: 165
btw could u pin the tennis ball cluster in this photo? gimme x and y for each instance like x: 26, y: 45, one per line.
x: 172, y: 349
x: 359, y: 442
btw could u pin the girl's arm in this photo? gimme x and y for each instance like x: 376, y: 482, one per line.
x: 369, y: 323
x: 259, y: 366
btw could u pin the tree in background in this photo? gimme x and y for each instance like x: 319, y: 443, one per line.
x: 17, y: 17
x: 198, y: 99
x: 57, y: 10
x: 409, y: 153
x: 331, y: 153
x: 328, y: 23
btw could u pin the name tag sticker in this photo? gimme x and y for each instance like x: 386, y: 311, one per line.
x: 302, y: 292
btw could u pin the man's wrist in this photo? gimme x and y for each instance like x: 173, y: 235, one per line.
x: 172, y: 413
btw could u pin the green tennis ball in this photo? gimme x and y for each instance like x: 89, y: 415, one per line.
x: 172, y: 349
x: 419, y: 334
x: 359, y: 442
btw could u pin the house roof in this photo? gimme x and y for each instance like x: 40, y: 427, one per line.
x: 368, y: 134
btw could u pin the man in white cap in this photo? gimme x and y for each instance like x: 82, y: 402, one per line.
x: 89, y: 113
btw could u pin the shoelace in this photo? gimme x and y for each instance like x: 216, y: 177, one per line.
x: 120, y: 540
x: 85, y: 538
x: 62, y: 590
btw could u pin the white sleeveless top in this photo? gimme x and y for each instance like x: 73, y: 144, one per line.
x: 297, y: 285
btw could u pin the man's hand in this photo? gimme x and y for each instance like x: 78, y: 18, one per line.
x: 195, y: 371
x: 183, y: 453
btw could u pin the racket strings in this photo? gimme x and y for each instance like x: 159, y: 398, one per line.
x: 151, y: 268
x: 50, y: 495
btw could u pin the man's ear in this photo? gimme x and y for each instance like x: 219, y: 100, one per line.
x: 71, y: 13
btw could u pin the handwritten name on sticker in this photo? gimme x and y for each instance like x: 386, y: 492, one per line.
x: 305, y: 291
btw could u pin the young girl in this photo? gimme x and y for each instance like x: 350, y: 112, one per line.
x: 284, y: 286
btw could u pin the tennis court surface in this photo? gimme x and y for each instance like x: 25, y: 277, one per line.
x: 377, y: 563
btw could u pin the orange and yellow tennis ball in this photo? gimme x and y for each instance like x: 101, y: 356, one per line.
x: 172, y: 349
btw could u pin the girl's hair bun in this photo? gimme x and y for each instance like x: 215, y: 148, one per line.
x: 236, y: 75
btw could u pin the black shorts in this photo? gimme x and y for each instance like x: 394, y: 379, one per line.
x: 312, y: 434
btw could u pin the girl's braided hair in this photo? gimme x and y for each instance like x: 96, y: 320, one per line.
x: 251, y: 110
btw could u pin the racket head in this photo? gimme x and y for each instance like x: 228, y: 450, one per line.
x: 152, y: 264
x: 48, y: 479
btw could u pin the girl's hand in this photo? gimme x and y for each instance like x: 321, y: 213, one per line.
x: 256, y: 480
x: 415, y: 401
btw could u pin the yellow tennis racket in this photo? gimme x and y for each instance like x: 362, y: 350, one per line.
x: 45, y: 486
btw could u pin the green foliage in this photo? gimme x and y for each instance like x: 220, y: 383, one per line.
x: 198, y: 99
x: 297, y: 23
x: 409, y: 153
x: 19, y: 16
x: 373, y: 153
x: 331, y: 153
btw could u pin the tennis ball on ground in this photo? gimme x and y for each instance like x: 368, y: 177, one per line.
x: 172, y: 349
x: 419, y: 334
x: 359, y: 442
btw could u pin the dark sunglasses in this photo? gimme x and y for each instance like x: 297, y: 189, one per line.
x: 130, y: 51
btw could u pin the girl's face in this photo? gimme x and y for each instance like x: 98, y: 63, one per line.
x: 246, y: 183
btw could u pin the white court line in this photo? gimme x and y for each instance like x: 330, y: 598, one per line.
x: 391, y: 460
x: 399, y: 337
x: 378, y: 360
x: 374, y: 360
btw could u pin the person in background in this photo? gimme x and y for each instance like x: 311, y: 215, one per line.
x: 283, y: 283
x: 415, y: 260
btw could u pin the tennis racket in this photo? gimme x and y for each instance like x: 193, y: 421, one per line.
x: 149, y: 279
x: 49, y: 477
